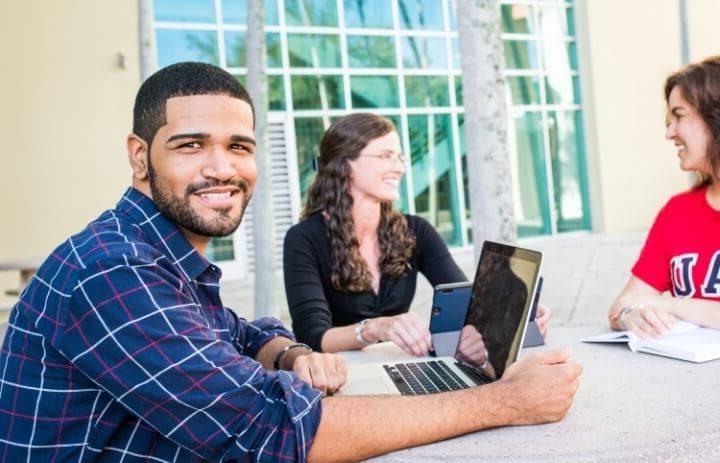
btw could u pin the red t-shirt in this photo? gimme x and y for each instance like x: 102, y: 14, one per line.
x: 682, y: 250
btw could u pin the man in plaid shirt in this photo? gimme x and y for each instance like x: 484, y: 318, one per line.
x: 120, y: 348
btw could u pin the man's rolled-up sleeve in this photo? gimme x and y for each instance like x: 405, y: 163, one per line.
x: 133, y: 331
x: 249, y: 337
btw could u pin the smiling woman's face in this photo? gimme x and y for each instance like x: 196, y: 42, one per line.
x: 376, y: 173
x: 689, y: 132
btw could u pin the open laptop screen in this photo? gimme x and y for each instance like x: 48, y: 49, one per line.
x: 502, y: 295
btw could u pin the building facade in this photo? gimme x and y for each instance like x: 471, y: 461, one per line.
x: 400, y: 58
x: 584, y: 80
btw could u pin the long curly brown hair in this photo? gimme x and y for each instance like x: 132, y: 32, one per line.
x: 700, y: 86
x: 329, y: 193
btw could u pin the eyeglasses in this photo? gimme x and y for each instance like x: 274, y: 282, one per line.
x: 388, y: 156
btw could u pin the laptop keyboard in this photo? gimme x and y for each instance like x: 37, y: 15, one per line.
x: 473, y: 373
x: 419, y: 378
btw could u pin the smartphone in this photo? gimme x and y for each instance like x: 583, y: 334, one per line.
x: 449, y: 308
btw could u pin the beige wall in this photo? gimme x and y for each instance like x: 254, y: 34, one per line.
x: 703, y: 28
x: 66, y: 110
x: 627, y: 50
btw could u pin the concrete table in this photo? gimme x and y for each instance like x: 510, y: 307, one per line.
x: 629, y: 407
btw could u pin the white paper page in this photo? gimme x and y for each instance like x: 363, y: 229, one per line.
x: 696, y: 345
x: 681, y: 326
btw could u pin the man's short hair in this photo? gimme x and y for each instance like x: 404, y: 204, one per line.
x: 181, y: 79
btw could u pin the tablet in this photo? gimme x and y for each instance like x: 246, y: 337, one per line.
x: 447, y: 317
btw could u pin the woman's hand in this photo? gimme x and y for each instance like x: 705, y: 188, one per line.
x: 635, y: 294
x: 647, y: 320
x: 542, y: 318
x: 406, y: 330
x: 471, y: 348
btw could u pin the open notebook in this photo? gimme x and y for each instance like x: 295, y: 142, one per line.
x: 685, y: 341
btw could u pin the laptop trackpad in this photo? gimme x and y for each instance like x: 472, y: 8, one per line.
x: 367, y: 379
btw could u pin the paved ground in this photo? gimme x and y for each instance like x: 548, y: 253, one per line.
x: 626, y: 409
x: 581, y: 271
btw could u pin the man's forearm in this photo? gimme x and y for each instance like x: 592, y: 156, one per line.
x: 266, y: 354
x: 355, y: 428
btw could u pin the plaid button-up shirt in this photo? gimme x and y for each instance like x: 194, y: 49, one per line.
x: 120, y: 349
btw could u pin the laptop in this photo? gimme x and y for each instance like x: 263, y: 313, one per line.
x: 502, y: 296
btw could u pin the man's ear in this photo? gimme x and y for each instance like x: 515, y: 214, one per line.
x: 137, y: 149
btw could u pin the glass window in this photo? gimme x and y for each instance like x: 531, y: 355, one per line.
x: 556, y: 21
x: 524, y: 90
x: 570, y: 17
x: 236, y: 49
x: 308, y: 132
x: 427, y: 91
x: 318, y: 92
x: 562, y: 89
x: 220, y: 249
x: 463, y: 158
x: 434, y: 174
x: 520, y: 54
x: 567, y: 156
x: 421, y: 14
x: 458, y: 91
x: 368, y: 13
x: 424, y: 53
x: 276, y: 91
x: 235, y: 12
x: 559, y: 56
x: 196, y: 11
x: 532, y: 208
x: 455, y: 50
x: 311, y: 13
x: 517, y: 19
x: 371, y: 51
x: 374, y: 92
x: 466, y: 180
x: 175, y: 46
x: 314, y: 50
x: 452, y: 9
x: 402, y: 204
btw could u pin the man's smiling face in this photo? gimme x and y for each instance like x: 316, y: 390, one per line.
x: 201, y: 166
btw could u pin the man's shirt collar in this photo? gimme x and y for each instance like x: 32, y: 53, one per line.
x: 165, y: 235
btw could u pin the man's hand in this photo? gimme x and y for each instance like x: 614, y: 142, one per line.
x: 471, y: 348
x: 326, y: 372
x: 542, y: 386
x: 542, y: 318
x: 406, y: 330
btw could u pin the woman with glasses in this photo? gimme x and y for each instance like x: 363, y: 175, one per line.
x: 677, y: 275
x: 351, y: 263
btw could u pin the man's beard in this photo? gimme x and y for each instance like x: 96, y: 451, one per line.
x: 178, y: 210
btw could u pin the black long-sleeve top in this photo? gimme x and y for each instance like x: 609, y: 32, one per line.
x: 315, y: 306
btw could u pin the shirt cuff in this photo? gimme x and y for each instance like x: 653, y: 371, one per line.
x: 261, y: 331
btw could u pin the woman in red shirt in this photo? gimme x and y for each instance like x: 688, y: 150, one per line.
x: 677, y: 275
